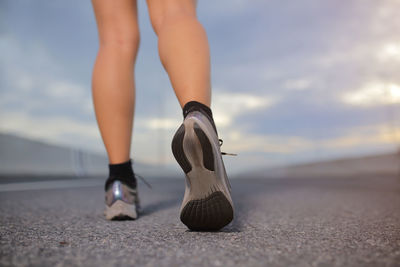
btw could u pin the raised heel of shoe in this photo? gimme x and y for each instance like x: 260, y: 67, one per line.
x: 205, y: 206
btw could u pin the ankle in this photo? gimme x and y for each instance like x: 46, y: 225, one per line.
x: 197, y: 106
x: 122, y: 172
x: 121, y: 169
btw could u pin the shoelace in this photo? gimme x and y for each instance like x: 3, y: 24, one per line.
x: 229, y: 154
x: 144, y: 181
x: 225, y: 153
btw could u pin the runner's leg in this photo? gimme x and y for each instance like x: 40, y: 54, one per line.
x: 183, y: 48
x: 113, y: 84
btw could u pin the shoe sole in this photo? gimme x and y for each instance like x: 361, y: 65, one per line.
x: 121, y: 210
x: 207, y: 205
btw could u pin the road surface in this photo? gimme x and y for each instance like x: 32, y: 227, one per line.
x: 278, y: 222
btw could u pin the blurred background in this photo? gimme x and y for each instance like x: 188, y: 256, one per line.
x: 299, y: 87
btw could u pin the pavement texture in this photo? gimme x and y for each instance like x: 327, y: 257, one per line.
x: 324, y: 221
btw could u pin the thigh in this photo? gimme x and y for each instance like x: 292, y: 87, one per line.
x: 116, y: 20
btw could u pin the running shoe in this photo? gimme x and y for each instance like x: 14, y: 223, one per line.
x: 122, y: 200
x: 207, y: 204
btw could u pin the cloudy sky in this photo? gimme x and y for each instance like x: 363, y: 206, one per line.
x: 293, y: 81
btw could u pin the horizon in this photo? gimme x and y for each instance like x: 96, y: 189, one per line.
x: 166, y: 171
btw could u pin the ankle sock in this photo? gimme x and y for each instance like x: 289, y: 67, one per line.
x: 194, y: 105
x: 122, y: 172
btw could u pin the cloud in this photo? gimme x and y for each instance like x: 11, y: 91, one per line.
x: 158, y: 123
x: 389, y: 51
x: 298, y: 84
x: 34, y: 80
x: 356, y: 138
x: 238, y: 142
x: 228, y: 105
x: 373, y: 93
x: 378, y: 135
x: 57, y: 130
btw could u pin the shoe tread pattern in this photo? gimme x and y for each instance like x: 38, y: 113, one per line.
x: 208, y: 214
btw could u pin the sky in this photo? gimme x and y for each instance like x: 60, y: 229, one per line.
x: 292, y: 81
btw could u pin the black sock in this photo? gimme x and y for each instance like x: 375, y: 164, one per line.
x: 122, y: 172
x: 194, y: 105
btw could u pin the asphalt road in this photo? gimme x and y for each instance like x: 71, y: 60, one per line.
x: 278, y: 222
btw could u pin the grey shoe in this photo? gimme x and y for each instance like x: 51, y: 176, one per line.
x: 122, y: 202
x: 207, y: 202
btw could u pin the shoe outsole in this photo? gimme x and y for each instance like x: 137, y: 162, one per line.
x: 207, y: 209
x: 207, y: 214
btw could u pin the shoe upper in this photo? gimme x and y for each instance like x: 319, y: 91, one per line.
x: 120, y: 191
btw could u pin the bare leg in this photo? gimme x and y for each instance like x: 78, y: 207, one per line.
x: 184, y: 53
x: 183, y: 48
x: 113, y: 85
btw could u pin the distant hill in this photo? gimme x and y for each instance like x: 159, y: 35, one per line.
x: 24, y: 156
x: 383, y: 164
